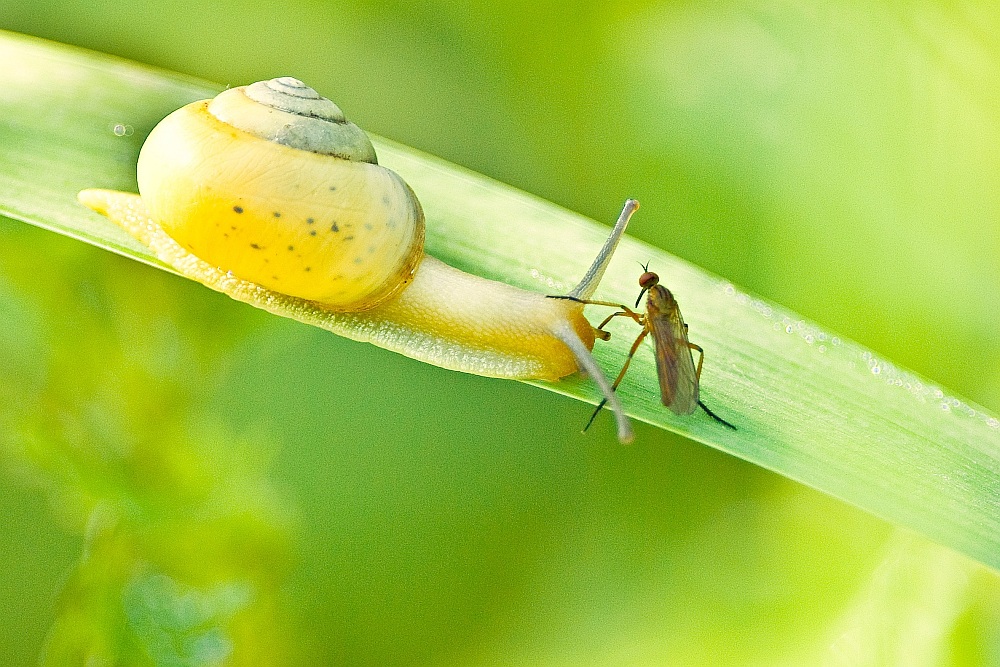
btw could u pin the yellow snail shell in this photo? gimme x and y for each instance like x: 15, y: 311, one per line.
x: 272, y: 195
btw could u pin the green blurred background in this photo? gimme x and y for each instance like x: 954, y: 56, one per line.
x: 189, y: 481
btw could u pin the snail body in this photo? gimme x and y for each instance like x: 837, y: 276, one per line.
x: 268, y: 194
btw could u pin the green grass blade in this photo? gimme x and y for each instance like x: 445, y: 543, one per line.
x: 807, y: 404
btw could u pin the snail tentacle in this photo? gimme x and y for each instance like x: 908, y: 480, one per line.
x: 588, y: 285
x: 588, y: 364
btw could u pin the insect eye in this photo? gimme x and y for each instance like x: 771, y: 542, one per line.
x: 648, y: 279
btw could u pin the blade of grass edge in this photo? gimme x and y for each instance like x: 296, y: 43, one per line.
x: 808, y: 405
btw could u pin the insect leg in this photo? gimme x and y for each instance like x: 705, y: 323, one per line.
x: 590, y: 302
x: 697, y: 375
x: 701, y: 356
x: 614, y: 385
x: 715, y: 416
x: 599, y: 330
x: 597, y: 410
x: 586, y: 362
x: 621, y: 313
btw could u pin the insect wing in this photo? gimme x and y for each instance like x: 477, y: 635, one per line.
x: 674, y: 363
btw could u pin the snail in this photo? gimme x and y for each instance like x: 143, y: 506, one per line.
x: 268, y: 194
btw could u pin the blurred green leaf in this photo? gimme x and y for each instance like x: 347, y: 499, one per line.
x: 807, y: 404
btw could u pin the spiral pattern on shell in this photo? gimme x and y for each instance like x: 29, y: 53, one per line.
x: 288, y: 112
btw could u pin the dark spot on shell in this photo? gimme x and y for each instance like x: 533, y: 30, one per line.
x: 238, y: 209
x: 368, y: 226
x: 385, y: 200
x: 309, y: 221
x: 309, y: 268
x: 357, y: 260
x: 334, y: 227
x: 348, y: 238
x: 225, y: 235
x: 255, y: 246
x: 267, y: 261
x: 291, y: 247
x: 312, y: 233
x: 233, y: 227
x: 371, y: 250
x: 276, y: 277
x: 277, y: 215
x: 333, y: 188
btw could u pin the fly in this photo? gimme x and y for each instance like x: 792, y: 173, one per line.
x: 675, y: 368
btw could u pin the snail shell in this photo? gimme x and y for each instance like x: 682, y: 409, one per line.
x: 272, y: 182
